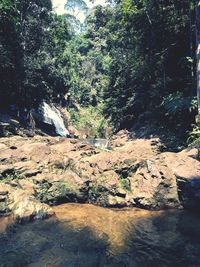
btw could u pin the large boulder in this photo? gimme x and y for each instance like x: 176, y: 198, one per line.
x: 154, y: 186
x: 18, y: 199
x: 25, y: 207
x: 8, y: 125
x: 186, y: 167
x: 168, y: 180
x: 60, y: 186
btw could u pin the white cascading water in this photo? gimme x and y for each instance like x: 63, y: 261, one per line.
x: 53, y: 116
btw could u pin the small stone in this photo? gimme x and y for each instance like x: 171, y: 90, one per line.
x: 114, y: 201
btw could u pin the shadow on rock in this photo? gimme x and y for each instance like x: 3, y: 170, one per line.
x: 189, y: 192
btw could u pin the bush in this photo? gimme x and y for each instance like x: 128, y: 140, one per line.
x: 91, y: 122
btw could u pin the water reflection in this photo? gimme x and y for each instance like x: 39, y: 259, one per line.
x: 168, y: 240
x: 88, y: 236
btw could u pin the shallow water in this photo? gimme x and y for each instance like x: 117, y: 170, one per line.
x: 100, y: 143
x: 89, y: 236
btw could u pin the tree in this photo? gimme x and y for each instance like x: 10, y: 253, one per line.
x: 32, y: 44
x: 198, y: 56
x: 76, y: 8
x: 8, y: 47
x: 90, y: 62
x: 150, y: 46
x: 134, y: 60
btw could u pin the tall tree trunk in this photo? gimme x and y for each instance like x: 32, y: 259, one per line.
x: 198, y: 56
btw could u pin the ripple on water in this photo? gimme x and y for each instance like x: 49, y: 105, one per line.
x: 89, y: 236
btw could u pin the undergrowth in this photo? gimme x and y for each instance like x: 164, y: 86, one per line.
x: 90, y: 121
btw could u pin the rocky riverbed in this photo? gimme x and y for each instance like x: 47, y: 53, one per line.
x: 37, y: 173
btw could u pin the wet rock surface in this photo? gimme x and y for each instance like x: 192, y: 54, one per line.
x: 39, y: 172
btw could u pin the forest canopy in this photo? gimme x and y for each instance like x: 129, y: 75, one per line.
x: 133, y: 59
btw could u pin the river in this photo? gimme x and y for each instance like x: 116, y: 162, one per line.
x: 90, y: 236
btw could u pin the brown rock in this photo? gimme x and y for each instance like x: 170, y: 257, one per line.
x: 54, y: 170
x: 186, y: 168
x: 114, y: 201
x: 154, y: 186
x: 27, y: 208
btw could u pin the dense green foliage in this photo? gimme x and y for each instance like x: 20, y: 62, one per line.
x: 88, y: 70
x: 152, y: 71
x: 143, y: 55
x: 90, y: 121
x: 32, y: 41
x: 135, y: 60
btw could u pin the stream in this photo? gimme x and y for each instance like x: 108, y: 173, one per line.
x: 89, y: 236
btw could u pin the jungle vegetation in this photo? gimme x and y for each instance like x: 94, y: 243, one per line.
x: 133, y: 61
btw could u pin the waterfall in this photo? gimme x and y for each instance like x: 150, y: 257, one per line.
x: 53, y: 116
